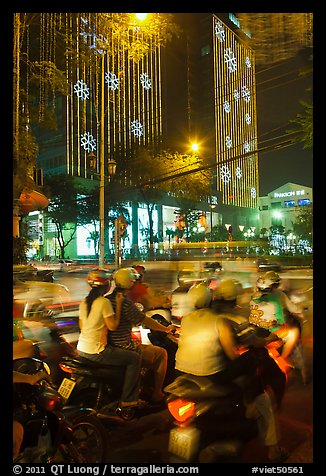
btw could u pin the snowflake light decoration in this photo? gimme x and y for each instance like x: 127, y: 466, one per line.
x: 238, y: 172
x: 112, y: 80
x: 92, y: 36
x: 219, y: 32
x: 225, y: 174
x: 136, y: 128
x: 228, y: 142
x: 81, y: 89
x: 248, y: 62
x: 246, y: 146
x: 145, y: 81
x: 253, y: 192
x: 248, y: 119
x: 245, y: 93
x: 230, y: 60
x: 88, y: 142
x: 227, y: 106
x: 236, y: 95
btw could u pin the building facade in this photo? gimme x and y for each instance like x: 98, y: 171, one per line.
x: 115, y: 105
x: 282, y: 206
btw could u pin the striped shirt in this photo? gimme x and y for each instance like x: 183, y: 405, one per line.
x: 130, y: 316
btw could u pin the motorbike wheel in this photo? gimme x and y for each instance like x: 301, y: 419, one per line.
x: 89, y: 441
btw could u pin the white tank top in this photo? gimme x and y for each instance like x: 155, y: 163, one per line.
x: 199, y: 349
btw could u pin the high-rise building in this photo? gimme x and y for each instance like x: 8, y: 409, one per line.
x: 217, y: 68
x: 108, y: 95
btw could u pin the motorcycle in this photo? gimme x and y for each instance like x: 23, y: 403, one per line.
x: 207, y: 419
x: 54, y: 432
x: 99, y: 385
x: 94, y: 385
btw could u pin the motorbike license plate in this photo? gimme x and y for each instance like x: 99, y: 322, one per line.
x: 184, y: 442
x: 66, y: 388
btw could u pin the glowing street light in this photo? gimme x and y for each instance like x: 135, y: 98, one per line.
x: 141, y: 16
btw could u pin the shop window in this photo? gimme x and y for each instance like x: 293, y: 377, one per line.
x: 276, y: 204
x: 289, y: 203
x: 303, y: 202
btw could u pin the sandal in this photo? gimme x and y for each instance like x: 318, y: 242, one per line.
x: 135, y: 403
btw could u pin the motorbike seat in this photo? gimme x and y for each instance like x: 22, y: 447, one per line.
x: 197, y: 387
x: 89, y: 368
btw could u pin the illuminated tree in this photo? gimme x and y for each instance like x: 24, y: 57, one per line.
x: 152, y: 174
x: 277, y: 36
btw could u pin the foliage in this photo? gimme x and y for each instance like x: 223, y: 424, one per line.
x: 304, y: 125
x: 133, y: 35
x: 152, y: 174
x: 277, y: 36
x: 90, y: 211
x: 303, y: 226
x: 65, y: 208
x: 20, y: 248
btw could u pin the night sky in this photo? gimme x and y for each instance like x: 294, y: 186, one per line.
x: 279, y: 89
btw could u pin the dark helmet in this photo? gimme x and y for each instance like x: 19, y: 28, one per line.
x: 141, y: 270
x: 99, y: 277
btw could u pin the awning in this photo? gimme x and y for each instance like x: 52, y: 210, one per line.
x: 30, y: 201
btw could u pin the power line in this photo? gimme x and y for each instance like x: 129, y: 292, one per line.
x: 163, y: 178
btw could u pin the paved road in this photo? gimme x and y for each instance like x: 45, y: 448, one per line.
x: 145, y: 440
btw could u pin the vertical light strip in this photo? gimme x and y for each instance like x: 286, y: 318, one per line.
x: 233, y: 124
x: 68, y: 99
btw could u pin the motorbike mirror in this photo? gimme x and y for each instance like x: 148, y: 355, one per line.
x: 139, y: 306
x: 47, y: 368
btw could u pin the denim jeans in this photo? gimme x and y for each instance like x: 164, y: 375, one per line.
x: 129, y: 358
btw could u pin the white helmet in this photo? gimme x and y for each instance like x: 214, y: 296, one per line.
x: 200, y: 295
x: 125, y: 277
x: 268, y: 281
x: 228, y: 290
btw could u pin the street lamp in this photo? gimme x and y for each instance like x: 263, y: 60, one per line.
x: 212, y: 206
x: 112, y: 166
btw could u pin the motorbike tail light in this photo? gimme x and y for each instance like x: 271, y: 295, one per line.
x: 65, y: 368
x: 283, y: 365
x: 181, y: 409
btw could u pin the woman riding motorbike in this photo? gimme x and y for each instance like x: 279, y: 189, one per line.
x: 97, y: 320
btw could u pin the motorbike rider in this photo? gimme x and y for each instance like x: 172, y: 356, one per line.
x: 225, y: 301
x: 270, y: 311
x: 144, y: 294
x: 207, y: 347
x: 21, y: 349
x: 97, y: 320
x: 153, y: 357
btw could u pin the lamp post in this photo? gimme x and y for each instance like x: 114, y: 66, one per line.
x: 212, y: 206
x: 112, y: 165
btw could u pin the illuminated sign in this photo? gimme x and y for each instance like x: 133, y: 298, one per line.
x: 288, y: 194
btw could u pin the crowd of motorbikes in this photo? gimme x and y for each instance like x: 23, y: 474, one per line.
x: 68, y: 421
